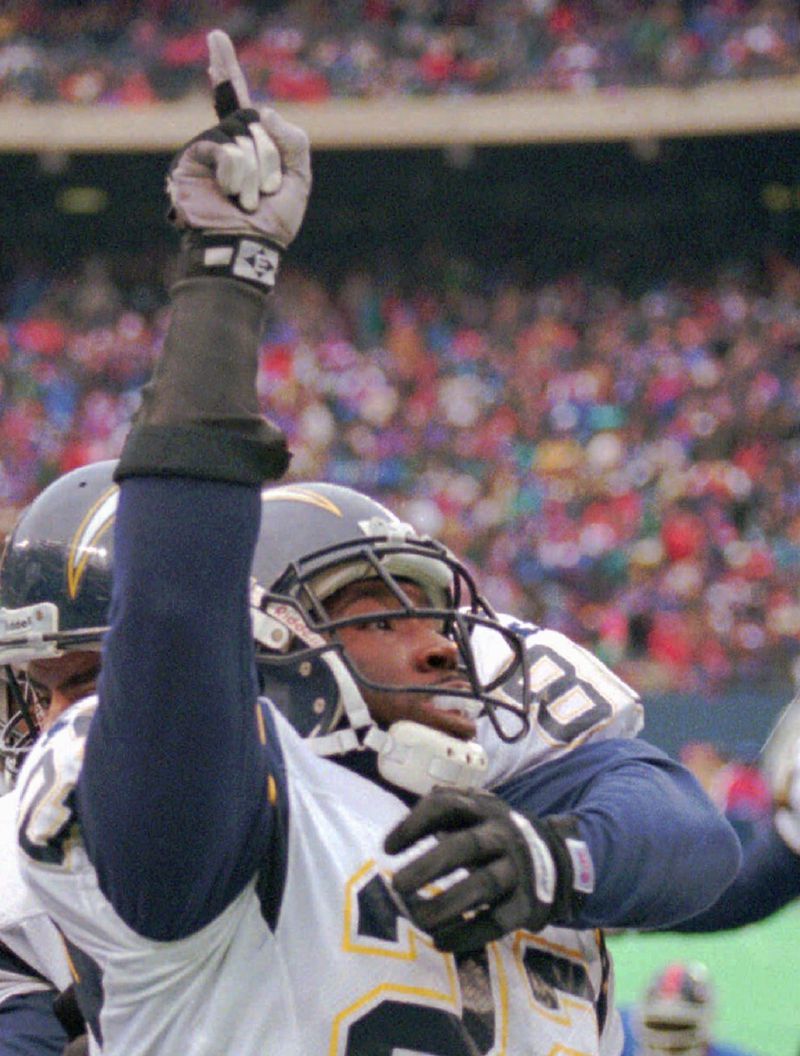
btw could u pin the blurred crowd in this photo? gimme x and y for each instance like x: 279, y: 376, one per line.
x: 625, y: 468
x: 122, y: 52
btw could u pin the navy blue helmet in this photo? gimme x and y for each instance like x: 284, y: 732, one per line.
x: 55, y: 589
x: 316, y: 539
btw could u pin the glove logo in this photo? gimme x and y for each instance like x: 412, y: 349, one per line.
x: 582, y: 866
x: 256, y: 262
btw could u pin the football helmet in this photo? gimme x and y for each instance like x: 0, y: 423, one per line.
x: 677, y: 1012
x: 316, y: 539
x: 55, y: 591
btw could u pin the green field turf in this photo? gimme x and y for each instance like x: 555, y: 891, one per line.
x: 756, y: 971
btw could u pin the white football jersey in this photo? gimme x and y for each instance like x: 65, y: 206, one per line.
x: 25, y: 929
x: 577, y: 699
x: 342, y: 972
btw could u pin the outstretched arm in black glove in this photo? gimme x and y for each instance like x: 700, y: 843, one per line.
x: 521, y: 872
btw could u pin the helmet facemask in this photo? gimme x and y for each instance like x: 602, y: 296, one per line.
x: 296, y: 629
x: 55, y: 591
x: 23, y: 715
x: 677, y: 1013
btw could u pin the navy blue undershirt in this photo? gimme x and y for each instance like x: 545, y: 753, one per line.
x: 768, y: 880
x: 645, y: 819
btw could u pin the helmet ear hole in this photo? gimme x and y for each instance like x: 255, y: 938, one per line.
x: 304, y: 689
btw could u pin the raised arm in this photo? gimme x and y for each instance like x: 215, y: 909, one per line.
x: 171, y: 795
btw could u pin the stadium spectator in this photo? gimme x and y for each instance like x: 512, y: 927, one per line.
x: 134, y: 54
x: 734, y: 782
x: 624, y: 468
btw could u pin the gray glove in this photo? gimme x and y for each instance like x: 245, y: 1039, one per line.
x: 238, y: 193
x: 244, y: 184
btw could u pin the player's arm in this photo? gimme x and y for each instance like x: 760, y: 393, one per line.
x: 660, y: 849
x: 171, y: 796
x: 614, y: 834
x: 770, y: 875
x: 768, y: 880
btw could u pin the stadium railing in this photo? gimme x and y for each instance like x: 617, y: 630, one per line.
x: 719, y: 108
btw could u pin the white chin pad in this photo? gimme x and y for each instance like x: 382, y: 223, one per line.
x: 417, y: 758
x: 463, y: 705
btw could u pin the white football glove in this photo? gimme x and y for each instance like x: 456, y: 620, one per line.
x: 787, y: 816
x: 250, y: 175
x: 780, y: 764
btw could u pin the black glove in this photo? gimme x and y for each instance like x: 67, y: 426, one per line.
x: 521, y: 870
x: 68, y: 1012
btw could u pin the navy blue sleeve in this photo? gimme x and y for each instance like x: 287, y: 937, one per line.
x: 28, y: 1026
x: 172, y: 797
x: 768, y: 880
x: 629, y: 1045
x: 661, y: 850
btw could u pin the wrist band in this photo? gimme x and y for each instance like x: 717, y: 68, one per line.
x: 251, y: 260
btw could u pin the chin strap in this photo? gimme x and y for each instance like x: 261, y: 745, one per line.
x: 411, y: 756
x: 418, y: 758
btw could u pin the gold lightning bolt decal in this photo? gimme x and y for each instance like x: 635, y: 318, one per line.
x: 95, y: 524
x: 292, y: 493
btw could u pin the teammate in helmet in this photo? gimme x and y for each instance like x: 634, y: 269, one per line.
x: 55, y: 587
x: 55, y: 591
x: 769, y: 877
x: 675, y: 1016
x: 190, y: 844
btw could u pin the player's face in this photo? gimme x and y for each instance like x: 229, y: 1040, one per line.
x: 62, y: 680
x: 401, y: 652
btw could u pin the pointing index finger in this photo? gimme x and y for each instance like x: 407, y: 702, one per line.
x: 227, y: 80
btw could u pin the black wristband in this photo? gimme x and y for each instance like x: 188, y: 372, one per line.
x: 204, y: 453
x: 244, y: 257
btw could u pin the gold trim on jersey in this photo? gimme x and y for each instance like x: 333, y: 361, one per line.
x: 410, y: 953
x: 349, y: 945
x: 417, y: 944
x: 566, y: 1001
x: 261, y: 725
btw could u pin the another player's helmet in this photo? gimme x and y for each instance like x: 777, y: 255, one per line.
x: 316, y: 539
x: 677, y: 1012
x: 55, y: 590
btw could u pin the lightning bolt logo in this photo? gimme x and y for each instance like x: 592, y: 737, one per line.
x: 292, y: 493
x: 94, y: 525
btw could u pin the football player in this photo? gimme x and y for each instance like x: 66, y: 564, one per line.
x: 227, y: 887
x: 34, y: 967
x: 675, y: 1016
x: 769, y: 878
